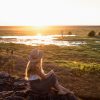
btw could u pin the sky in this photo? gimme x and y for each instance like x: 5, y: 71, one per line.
x: 49, y: 12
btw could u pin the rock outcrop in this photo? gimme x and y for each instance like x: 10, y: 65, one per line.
x: 12, y: 88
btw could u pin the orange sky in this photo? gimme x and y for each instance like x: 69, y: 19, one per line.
x: 49, y: 12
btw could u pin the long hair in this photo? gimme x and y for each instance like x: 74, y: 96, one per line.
x: 33, y: 68
x: 41, y: 64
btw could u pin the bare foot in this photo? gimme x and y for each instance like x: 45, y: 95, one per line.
x: 68, y: 91
x: 62, y: 92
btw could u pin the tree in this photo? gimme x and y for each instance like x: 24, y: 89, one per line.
x: 62, y: 34
x: 69, y: 33
x: 99, y: 34
x: 92, y: 33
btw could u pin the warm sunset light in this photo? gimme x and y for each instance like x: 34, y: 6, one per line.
x: 49, y: 12
x: 39, y: 26
x: 38, y: 36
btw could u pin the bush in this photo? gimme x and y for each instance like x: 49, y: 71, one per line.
x: 92, y: 33
x: 69, y: 33
x: 99, y: 34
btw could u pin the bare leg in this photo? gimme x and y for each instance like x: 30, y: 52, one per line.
x: 58, y: 86
x: 61, y: 89
x: 64, y: 89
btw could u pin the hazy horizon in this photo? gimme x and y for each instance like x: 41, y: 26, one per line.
x: 30, y: 30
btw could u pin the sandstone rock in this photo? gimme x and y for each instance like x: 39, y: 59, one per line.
x: 12, y: 88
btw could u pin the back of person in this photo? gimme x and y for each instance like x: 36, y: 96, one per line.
x: 42, y: 83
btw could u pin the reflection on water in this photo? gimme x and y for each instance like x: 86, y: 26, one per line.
x: 97, y: 41
x: 38, y: 40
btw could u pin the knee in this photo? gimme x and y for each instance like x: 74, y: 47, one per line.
x: 53, y: 75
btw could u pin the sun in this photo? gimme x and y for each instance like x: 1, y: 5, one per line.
x: 39, y: 28
x: 39, y: 36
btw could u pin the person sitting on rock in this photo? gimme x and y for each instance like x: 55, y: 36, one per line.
x: 41, y: 82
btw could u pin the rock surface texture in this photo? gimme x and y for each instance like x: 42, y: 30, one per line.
x: 12, y: 88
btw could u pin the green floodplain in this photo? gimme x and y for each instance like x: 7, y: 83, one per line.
x: 77, y: 67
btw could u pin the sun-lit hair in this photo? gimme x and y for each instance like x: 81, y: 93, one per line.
x: 41, y: 68
x: 33, y: 68
x: 26, y: 70
x: 34, y: 65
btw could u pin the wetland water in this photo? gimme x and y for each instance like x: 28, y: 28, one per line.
x: 39, y: 40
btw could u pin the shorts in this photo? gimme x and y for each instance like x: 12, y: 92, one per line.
x: 43, y: 86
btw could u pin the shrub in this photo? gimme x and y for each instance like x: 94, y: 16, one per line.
x: 69, y: 33
x: 99, y: 34
x: 92, y: 33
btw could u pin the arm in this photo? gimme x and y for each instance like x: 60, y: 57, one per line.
x: 50, y: 73
x: 41, y: 74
